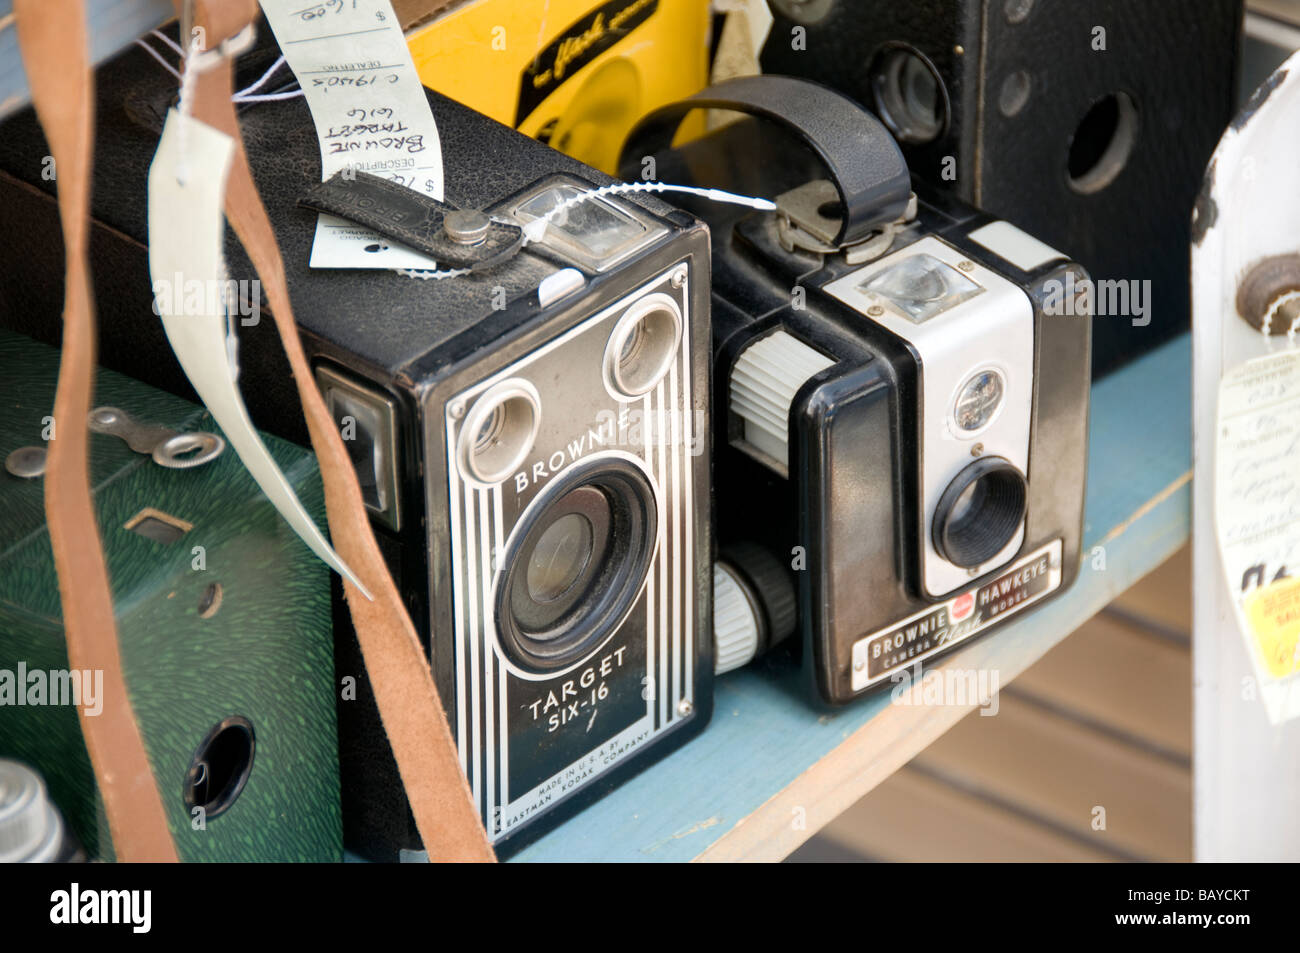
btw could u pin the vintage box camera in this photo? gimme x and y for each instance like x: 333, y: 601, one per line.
x: 529, y: 438
x: 223, y: 618
x: 1089, y: 125
x: 901, y: 385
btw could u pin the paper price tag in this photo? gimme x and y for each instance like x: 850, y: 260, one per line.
x: 370, y: 111
x: 187, y: 190
x: 1257, y: 517
x: 1274, y: 617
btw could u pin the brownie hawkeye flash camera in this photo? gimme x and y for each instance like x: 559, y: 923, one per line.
x: 531, y: 437
x: 901, y: 388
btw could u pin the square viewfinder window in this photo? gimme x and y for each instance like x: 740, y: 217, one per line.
x: 921, y: 287
x: 593, y: 228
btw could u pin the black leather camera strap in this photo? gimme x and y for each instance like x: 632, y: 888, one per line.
x: 863, y: 160
x: 453, y: 237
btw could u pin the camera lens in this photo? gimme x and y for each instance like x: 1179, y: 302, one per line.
x: 562, y: 552
x: 575, y: 563
x: 499, y: 431
x: 643, y: 345
x: 909, y: 95
x: 980, y: 512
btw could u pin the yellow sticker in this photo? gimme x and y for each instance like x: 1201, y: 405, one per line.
x: 1273, y: 614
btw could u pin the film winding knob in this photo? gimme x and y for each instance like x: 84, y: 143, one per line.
x: 753, y: 605
x: 31, y: 830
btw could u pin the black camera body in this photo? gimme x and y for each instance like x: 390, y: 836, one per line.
x: 530, y: 438
x: 901, y: 385
x: 1089, y: 125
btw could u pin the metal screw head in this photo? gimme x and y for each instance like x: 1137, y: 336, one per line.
x: 684, y: 708
x: 875, y: 311
x: 976, y: 450
x: 466, y: 226
x: 859, y: 665
x: 973, y: 571
x: 457, y: 410
x: 966, y: 265
x: 679, y: 278
x: 26, y: 462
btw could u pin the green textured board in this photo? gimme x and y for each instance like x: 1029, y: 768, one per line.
x: 770, y: 769
x: 265, y: 654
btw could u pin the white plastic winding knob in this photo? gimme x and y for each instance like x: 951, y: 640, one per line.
x: 735, y: 627
x: 764, y: 381
x: 31, y: 830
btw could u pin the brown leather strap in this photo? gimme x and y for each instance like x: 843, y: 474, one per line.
x: 52, y: 38
x: 408, y: 701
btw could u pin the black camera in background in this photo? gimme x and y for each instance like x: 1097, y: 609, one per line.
x: 1097, y: 151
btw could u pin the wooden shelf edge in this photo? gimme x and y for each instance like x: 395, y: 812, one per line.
x: 872, y: 753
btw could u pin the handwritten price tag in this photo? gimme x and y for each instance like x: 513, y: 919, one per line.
x: 370, y: 112
x: 1257, y: 516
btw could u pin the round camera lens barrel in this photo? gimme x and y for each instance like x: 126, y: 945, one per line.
x: 979, y: 512
x: 617, y: 498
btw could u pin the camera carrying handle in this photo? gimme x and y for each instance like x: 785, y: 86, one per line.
x: 864, y: 162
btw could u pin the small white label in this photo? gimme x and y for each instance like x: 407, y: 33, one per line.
x: 370, y: 111
x: 1257, y: 518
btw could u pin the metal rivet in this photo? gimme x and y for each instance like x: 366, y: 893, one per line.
x: 466, y: 226
x: 185, y: 450
x: 966, y: 265
x: 875, y: 311
x: 976, y: 450
x: 684, y: 708
x: 457, y: 410
x: 26, y: 462
x: 973, y: 571
x: 859, y: 665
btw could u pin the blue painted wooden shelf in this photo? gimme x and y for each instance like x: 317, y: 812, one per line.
x: 770, y: 770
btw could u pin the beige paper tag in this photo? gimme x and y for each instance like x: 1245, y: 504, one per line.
x: 187, y: 189
x: 370, y: 111
x: 1257, y: 517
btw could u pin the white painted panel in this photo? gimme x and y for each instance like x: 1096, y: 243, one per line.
x: 1247, y: 770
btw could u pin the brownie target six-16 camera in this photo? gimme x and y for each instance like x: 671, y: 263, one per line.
x: 529, y: 438
x: 892, y: 388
